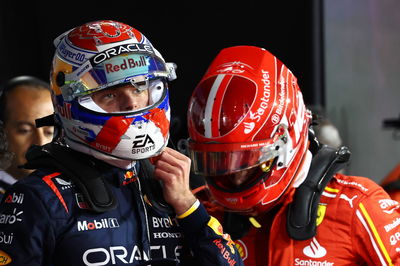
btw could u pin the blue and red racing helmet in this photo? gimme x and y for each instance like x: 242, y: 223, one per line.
x: 107, y: 54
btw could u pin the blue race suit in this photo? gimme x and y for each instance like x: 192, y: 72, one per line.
x: 45, y: 220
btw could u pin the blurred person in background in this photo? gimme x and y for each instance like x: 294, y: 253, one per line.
x: 5, y: 160
x: 326, y: 132
x: 23, y: 100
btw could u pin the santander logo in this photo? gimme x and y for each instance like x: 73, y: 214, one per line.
x: 314, y: 250
x: 248, y: 127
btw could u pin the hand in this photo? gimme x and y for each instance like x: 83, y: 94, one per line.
x: 173, y: 169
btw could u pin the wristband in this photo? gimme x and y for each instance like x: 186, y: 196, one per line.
x: 194, y: 207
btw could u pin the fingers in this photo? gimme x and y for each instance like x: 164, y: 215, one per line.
x: 173, y: 169
x: 169, y: 154
x: 171, y: 165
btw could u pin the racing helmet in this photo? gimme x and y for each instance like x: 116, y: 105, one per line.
x: 101, y: 55
x: 248, y: 129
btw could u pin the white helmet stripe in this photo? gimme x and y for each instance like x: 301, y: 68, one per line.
x: 210, y: 105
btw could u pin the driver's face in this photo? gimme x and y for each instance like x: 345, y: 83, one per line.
x: 121, y: 99
x: 242, y: 177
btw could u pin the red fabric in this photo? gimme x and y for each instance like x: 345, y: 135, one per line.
x: 360, y: 226
x: 48, y: 180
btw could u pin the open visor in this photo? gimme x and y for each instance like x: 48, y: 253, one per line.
x: 116, y: 70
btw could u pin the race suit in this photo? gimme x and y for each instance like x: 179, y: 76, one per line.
x: 357, y: 224
x: 45, y: 220
x: 6, y: 181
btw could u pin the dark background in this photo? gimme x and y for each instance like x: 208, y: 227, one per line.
x: 189, y: 33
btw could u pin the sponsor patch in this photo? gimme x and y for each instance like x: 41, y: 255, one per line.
x: 242, y: 248
x: 6, y: 238
x: 71, y: 54
x: 4, y: 258
x: 353, y: 184
x: 388, y: 205
x: 392, y: 225
x: 15, y: 198
x: 314, y: 250
x: 321, y: 213
x: 81, y: 202
x: 121, y: 49
x: 11, y: 218
x: 103, y: 223
x: 214, y: 224
x: 143, y: 144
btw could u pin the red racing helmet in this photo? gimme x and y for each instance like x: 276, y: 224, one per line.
x: 248, y: 128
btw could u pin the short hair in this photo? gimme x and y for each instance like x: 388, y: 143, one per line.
x: 30, y: 81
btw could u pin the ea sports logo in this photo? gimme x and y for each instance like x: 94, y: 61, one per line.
x: 143, y: 144
x: 142, y: 140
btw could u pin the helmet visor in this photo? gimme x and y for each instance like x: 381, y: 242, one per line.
x: 213, y: 159
x: 241, y: 180
x: 111, y: 72
x: 135, y: 96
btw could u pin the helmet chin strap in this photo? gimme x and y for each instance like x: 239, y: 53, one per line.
x: 120, y: 163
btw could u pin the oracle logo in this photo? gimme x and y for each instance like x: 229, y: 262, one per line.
x: 133, y: 47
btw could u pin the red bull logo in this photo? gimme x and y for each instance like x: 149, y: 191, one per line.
x: 126, y: 64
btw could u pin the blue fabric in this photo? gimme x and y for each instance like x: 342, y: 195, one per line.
x: 42, y: 230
